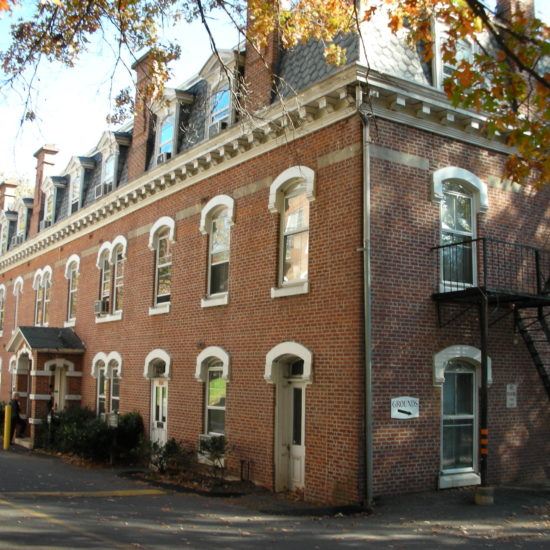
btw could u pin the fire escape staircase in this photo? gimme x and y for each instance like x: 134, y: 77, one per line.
x: 506, y: 277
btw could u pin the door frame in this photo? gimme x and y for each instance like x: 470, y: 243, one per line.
x: 154, y: 383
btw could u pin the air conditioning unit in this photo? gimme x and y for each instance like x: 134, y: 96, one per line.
x: 107, y: 187
x: 217, y: 127
x: 101, y: 306
x: 163, y: 157
x: 17, y: 239
x: 44, y: 224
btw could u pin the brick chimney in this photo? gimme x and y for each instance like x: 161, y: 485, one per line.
x: 259, y: 71
x: 44, y: 165
x: 505, y: 7
x: 7, y: 194
x: 143, y: 119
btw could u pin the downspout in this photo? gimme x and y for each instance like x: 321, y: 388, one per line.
x: 367, y: 303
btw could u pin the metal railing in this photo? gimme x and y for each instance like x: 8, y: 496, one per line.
x: 493, y: 264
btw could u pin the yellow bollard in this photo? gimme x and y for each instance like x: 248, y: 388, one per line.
x: 7, y: 427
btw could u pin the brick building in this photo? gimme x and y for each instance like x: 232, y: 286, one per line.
x: 275, y: 278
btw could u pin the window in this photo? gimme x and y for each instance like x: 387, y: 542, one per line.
x: 4, y: 233
x: 72, y: 274
x: 289, y: 196
x: 458, y: 432
x: 107, y: 369
x: 220, y: 105
x: 216, y: 221
x: 215, y: 400
x: 218, y: 255
x: 108, y: 180
x: 17, y: 291
x: 2, y: 307
x: 457, y: 226
x: 42, y: 286
x: 166, y: 140
x: 75, y: 192
x: 118, y: 293
x: 163, y: 270
x: 110, y: 262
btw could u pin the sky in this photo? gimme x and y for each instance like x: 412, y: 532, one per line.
x: 72, y: 104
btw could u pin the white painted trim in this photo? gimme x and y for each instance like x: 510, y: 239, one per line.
x: 295, y: 174
x: 22, y: 393
x: 204, y: 358
x: 216, y: 300
x: 39, y: 397
x: 75, y: 374
x: 73, y: 259
x: 58, y: 363
x: 159, y: 355
x: 470, y: 180
x: 469, y: 353
x: 160, y: 309
x: 40, y: 277
x: 290, y: 290
x: 35, y: 421
x: 41, y: 373
x: 118, y: 241
x: 117, y: 316
x: 18, y: 286
x: 284, y: 351
x: 105, y: 248
x: 115, y: 357
x: 161, y: 223
x: 69, y: 324
x: 99, y: 357
x: 448, y: 481
x: 209, y: 209
x: 73, y: 397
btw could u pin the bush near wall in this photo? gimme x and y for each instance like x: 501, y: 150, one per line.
x: 79, y: 431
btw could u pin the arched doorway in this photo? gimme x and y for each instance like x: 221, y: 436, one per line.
x: 157, y: 370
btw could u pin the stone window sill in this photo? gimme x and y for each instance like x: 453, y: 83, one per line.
x: 290, y: 290
x: 448, y: 481
x: 217, y: 300
x: 109, y: 318
x: 70, y: 323
x: 160, y: 309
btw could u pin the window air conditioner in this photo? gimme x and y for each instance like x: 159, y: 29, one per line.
x: 216, y: 127
x: 206, y: 439
x: 107, y: 187
x: 163, y: 157
x: 101, y: 306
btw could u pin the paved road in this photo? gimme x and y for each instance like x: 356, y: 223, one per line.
x: 45, y: 503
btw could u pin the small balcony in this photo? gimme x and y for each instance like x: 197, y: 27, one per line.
x: 503, y: 271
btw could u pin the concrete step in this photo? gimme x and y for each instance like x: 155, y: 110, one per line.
x: 23, y: 442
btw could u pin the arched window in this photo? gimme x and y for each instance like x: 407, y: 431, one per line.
x: 462, y: 196
x: 216, y: 221
x: 42, y: 286
x: 161, y: 238
x: 289, y: 196
x: 111, y: 258
x: 107, y: 369
x: 71, y: 274
x: 2, y: 307
x: 17, y: 291
x: 213, y: 369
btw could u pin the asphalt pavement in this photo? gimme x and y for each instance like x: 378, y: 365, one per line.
x: 47, y: 503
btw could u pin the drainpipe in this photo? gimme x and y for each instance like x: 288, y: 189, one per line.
x: 367, y: 302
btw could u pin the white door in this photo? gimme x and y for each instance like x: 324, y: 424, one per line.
x: 159, y: 410
x: 60, y: 388
x: 290, y: 466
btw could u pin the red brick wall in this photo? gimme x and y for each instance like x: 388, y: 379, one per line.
x: 405, y: 225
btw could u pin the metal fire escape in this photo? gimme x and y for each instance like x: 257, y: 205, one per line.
x: 499, y: 277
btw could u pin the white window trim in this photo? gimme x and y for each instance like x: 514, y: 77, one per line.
x: 75, y: 177
x: 3, y: 294
x: 161, y: 223
x: 160, y: 309
x: 469, y: 180
x: 205, y: 359
x: 469, y: 354
x: 216, y: 203
x: 290, y: 289
x: 73, y: 264
x: 42, y: 277
x: 109, y: 318
x: 287, y: 350
x: 214, y: 366
x: 107, y: 156
x: 215, y: 300
x: 106, y: 359
x: 157, y: 355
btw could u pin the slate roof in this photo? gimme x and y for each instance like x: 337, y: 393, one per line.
x: 50, y: 339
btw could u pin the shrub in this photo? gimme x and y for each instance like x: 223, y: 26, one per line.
x: 172, y: 457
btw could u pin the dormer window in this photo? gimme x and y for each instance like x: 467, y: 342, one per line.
x: 75, y: 192
x: 108, y: 180
x: 220, y: 111
x: 166, y: 140
x: 4, y: 233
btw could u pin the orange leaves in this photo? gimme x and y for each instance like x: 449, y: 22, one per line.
x: 5, y: 5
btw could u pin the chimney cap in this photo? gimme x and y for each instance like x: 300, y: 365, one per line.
x: 141, y: 59
x: 48, y: 149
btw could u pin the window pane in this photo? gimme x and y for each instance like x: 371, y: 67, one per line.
x: 463, y: 220
x: 464, y: 393
x: 220, y: 105
x: 457, y: 260
x: 166, y: 134
x: 219, y: 247
x: 296, y: 213
x: 109, y: 169
x: 448, y: 212
x: 458, y: 444
x: 101, y: 405
x: 216, y: 389
x: 219, y: 275
x: 216, y: 421
x: 115, y: 404
x: 297, y: 416
x: 164, y: 280
x: 296, y: 257
x: 115, y: 386
x: 449, y: 387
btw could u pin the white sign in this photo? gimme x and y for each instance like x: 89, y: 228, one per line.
x: 511, y: 396
x: 405, y: 408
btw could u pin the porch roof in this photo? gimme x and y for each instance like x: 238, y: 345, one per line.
x: 46, y: 339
